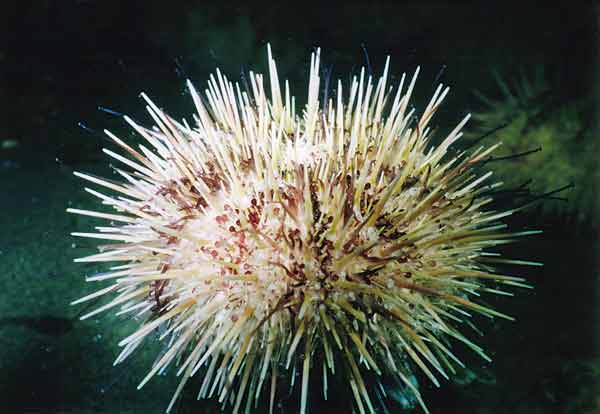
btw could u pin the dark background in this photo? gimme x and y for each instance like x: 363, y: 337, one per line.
x: 61, y: 60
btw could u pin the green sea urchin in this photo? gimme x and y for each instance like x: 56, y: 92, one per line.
x: 338, y: 240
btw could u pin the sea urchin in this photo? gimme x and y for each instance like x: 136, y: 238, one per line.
x: 264, y: 242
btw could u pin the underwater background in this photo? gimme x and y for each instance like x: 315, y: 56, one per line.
x: 528, y: 72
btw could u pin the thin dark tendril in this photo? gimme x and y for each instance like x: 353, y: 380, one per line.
x: 244, y: 81
x: 110, y: 111
x: 362, y: 45
x: 179, y: 69
x: 86, y: 128
x: 510, y: 157
x: 509, y: 195
x: 525, y: 184
x: 439, y: 75
x: 513, y: 192
x: 94, y: 132
x: 487, y: 134
x: 326, y: 88
x: 521, y: 188
x: 547, y: 196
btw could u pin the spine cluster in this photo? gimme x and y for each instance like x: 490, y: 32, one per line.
x: 267, y: 242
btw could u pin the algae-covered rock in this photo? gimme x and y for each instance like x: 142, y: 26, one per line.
x: 552, y: 139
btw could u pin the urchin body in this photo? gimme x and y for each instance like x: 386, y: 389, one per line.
x: 260, y: 238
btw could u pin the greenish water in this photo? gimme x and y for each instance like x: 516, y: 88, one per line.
x: 62, y: 62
